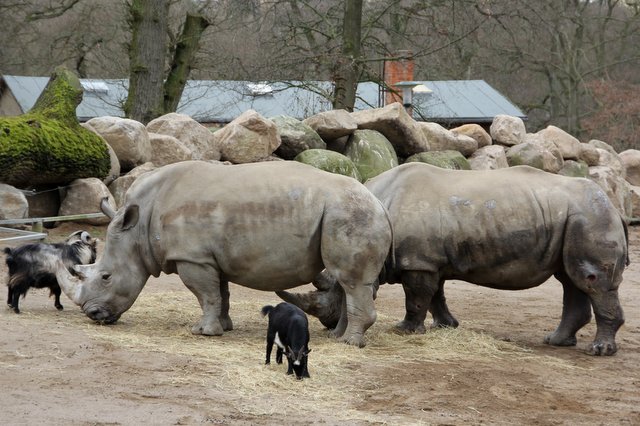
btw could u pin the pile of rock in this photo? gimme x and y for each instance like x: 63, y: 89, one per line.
x: 360, y: 144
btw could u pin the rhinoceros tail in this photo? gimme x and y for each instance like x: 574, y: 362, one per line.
x: 392, y: 250
x: 626, y: 237
x: 266, y: 309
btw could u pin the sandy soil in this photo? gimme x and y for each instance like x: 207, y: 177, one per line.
x: 60, y: 368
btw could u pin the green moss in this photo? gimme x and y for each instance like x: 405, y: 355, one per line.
x: 444, y: 159
x: 329, y: 161
x: 48, y: 145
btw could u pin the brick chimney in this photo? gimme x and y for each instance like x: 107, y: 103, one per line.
x: 400, y: 68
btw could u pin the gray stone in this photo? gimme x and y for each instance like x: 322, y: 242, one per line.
x: 295, y: 136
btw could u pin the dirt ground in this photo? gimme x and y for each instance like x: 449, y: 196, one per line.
x: 61, y: 368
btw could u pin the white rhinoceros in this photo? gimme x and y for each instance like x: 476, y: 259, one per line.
x: 507, y: 229
x: 267, y: 226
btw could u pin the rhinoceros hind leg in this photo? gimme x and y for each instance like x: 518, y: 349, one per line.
x: 360, y: 314
x: 576, y: 313
x: 608, y: 321
x: 442, y: 318
x: 204, y: 283
x: 419, y: 288
x: 225, y: 319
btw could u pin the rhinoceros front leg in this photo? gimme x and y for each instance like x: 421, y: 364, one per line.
x: 576, y: 313
x: 204, y: 283
x: 419, y: 289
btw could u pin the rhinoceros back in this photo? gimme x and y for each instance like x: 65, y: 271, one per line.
x: 265, y: 225
x: 508, y: 228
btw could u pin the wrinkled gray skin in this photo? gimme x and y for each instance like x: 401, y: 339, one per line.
x: 507, y: 229
x: 268, y: 226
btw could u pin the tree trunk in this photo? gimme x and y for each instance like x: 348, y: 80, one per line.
x: 348, y: 69
x: 148, y: 20
x: 185, y: 52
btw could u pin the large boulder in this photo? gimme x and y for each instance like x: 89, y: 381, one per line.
x: 128, y: 138
x: 119, y: 187
x: 331, y: 125
x: 570, y: 147
x: 507, y: 130
x: 612, y: 160
x: 635, y: 201
x: 574, y: 168
x: 535, y: 154
x: 441, y: 139
x: 589, y: 154
x: 166, y: 149
x: 489, y: 157
x: 329, y: 161
x: 395, y: 124
x: 371, y: 153
x: 193, y: 135
x: 13, y: 203
x: 617, y: 188
x: 84, y: 196
x: 295, y: 136
x: 47, y: 145
x: 248, y: 138
x: 474, y: 131
x: 631, y: 161
x: 444, y: 159
x: 114, y: 169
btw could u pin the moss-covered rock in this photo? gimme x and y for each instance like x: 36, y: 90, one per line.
x: 47, y: 145
x: 574, y: 169
x: 329, y: 161
x: 371, y: 152
x: 444, y: 159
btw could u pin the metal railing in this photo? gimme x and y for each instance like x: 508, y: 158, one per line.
x: 37, y: 226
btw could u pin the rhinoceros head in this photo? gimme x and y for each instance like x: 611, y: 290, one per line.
x: 106, y: 289
x: 325, y: 303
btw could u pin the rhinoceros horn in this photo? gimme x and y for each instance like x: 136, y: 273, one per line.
x: 317, y: 304
x: 69, y: 284
x: 106, y: 208
x: 324, y: 303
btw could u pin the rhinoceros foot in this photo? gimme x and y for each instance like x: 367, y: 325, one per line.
x: 451, y: 323
x: 407, y: 327
x: 354, y: 340
x: 602, y: 348
x: 227, y: 324
x: 208, y: 329
x: 556, y: 339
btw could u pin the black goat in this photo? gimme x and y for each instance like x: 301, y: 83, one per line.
x: 34, y: 265
x: 289, y: 330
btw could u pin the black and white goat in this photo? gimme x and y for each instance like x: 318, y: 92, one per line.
x: 34, y: 265
x: 289, y: 330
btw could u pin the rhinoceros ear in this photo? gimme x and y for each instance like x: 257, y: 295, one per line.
x: 131, y: 215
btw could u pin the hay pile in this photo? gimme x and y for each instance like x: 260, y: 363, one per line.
x: 342, y: 376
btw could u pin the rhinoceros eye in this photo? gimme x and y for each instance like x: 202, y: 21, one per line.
x: 106, y: 276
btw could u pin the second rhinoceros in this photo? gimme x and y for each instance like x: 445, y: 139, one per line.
x: 267, y: 226
x: 508, y: 229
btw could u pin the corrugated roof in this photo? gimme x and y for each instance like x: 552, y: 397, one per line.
x: 221, y: 101
x: 457, y: 101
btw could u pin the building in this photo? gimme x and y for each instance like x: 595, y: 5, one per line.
x: 217, y: 102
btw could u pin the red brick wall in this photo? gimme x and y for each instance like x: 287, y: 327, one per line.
x: 395, y: 71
